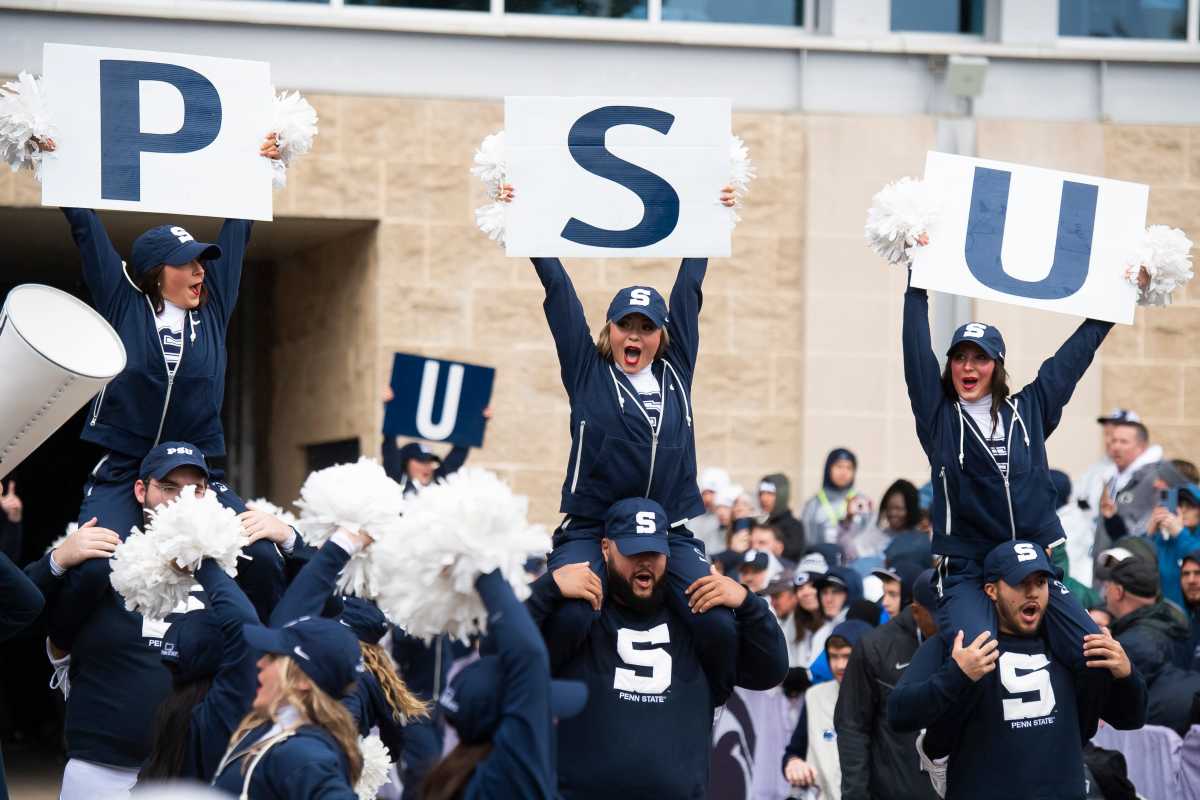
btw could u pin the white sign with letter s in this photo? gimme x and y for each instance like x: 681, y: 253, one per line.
x: 1031, y: 237
x: 617, y: 177
x: 165, y: 132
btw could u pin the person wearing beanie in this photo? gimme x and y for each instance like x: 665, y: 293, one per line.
x: 838, y: 512
x: 774, y: 497
x: 840, y: 590
x: 296, y: 739
x: 1005, y: 701
x: 876, y: 761
x: 646, y: 730
x: 811, y: 757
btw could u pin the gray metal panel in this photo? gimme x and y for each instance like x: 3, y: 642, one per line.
x: 1152, y: 93
x: 1045, y: 90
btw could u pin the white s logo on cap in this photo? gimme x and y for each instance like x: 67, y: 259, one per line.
x: 639, y: 297
x: 975, y: 330
x: 645, y: 521
x: 1025, y: 551
x: 183, y: 236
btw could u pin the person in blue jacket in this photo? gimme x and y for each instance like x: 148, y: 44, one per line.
x: 171, y: 305
x: 1009, y: 715
x: 632, y: 434
x: 298, y: 740
x: 987, y: 455
x: 503, y: 708
x: 213, y: 680
x: 647, y: 727
x: 20, y: 605
x: 381, y: 698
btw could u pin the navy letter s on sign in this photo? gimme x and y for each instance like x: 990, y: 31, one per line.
x: 1072, y: 246
x: 121, y: 139
x: 586, y: 142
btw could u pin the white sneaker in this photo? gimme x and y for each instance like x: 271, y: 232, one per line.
x: 935, y: 767
x: 61, y: 679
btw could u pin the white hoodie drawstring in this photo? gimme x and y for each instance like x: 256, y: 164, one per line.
x: 617, y: 389
x: 962, y: 431
x: 1017, y: 414
x: 192, y: 318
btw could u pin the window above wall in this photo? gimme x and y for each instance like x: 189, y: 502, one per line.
x: 1125, y: 19
x: 938, y: 16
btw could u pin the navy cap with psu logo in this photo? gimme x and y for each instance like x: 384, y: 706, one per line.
x: 637, y: 525
x: 170, y: 245
x: 986, y: 337
x: 167, y: 456
x: 644, y: 300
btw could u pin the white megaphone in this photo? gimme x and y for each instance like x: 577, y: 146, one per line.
x: 56, y: 353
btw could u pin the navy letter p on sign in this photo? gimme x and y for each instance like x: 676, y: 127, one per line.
x: 442, y: 401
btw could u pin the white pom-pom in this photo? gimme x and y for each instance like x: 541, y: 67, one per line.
x: 267, y: 507
x: 359, y: 497
x: 490, y: 219
x: 181, y: 534
x: 741, y: 172
x: 490, y: 166
x: 60, y: 541
x: 453, y: 531
x: 24, y: 119
x: 1166, y: 253
x: 899, y: 214
x: 294, y: 121
x: 377, y: 764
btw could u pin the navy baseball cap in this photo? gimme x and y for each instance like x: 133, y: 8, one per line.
x: 473, y: 699
x: 643, y: 300
x: 637, y: 525
x: 417, y: 451
x: 170, y: 455
x: 327, y: 651
x: 192, y: 646
x: 985, y: 336
x: 1014, y: 561
x: 364, y: 618
x: 925, y: 590
x: 171, y: 245
x: 754, y: 559
x: 1119, y: 415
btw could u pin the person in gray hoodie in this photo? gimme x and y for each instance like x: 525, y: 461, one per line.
x: 775, y: 495
x: 838, y: 512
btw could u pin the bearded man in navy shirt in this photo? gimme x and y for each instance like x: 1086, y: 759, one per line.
x: 1011, y: 718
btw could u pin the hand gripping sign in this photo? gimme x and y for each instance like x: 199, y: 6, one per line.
x: 442, y: 401
x: 1031, y: 237
x: 613, y: 177
x: 166, y: 132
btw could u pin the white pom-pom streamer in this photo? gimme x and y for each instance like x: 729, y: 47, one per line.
x: 294, y: 121
x: 377, y: 764
x: 899, y: 214
x: 741, y: 172
x: 267, y: 507
x: 60, y: 541
x: 181, y: 534
x: 359, y: 497
x: 24, y: 119
x: 1166, y: 253
x: 491, y: 168
x: 454, y: 531
x: 490, y: 219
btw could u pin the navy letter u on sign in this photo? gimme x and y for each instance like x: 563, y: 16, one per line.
x: 121, y: 139
x: 442, y: 401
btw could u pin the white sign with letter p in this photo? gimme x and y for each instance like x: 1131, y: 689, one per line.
x: 166, y: 132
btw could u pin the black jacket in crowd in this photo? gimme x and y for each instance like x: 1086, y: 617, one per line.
x: 791, y: 530
x: 1151, y: 637
x: 877, y: 762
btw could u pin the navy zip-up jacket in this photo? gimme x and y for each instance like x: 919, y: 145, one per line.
x: 521, y: 763
x: 614, y: 453
x: 216, y: 717
x: 143, y: 405
x: 308, y: 764
x: 307, y: 596
x: 974, y: 506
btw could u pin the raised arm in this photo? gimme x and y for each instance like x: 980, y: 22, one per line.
x: 568, y: 325
x: 683, y: 322
x: 920, y: 365
x: 521, y: 763
x: 311, y: 588
x: 1059, y: 374
x: 228, y: 699
x: 224, y: 274
x: 20, y: 600
x: 453, y: 461
x: 103, y: 270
